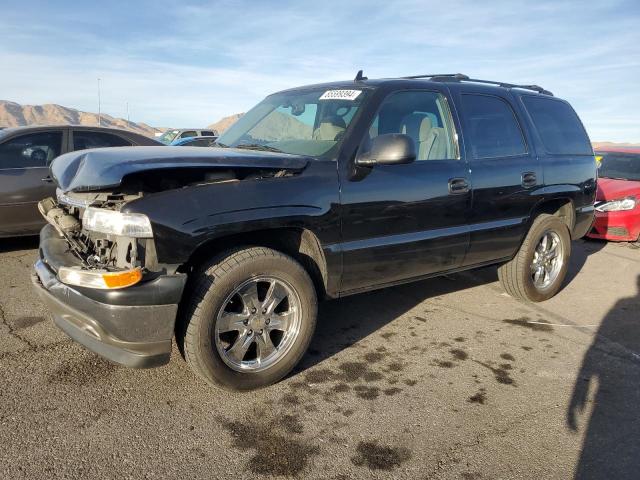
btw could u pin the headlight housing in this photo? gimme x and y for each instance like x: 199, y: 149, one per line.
x: 117, y: 223
x: 621, y: 204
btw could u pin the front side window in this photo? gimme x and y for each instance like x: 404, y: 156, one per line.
x: 83, y: 140
x: 31, y: 150
x: 558, y: 125
x: 493, y: 129
x: 303, y: 122
x: 423, y: 116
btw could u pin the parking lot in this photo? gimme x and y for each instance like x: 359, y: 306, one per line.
x: 445, y: 378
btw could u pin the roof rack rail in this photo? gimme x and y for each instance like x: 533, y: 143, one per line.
x: 535, y: 88
x: 459, y: 77
x: 455, y: 76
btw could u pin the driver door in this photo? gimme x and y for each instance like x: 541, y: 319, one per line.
x: 405, y: 221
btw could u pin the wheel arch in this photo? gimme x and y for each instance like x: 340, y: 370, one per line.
x: 561, y: 207
x: 299, y: 243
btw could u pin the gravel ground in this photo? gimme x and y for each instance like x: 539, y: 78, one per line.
x: 446, y: 378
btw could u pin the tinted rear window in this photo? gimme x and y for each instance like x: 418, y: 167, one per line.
x: 493, y: 128
x: 558, y: 125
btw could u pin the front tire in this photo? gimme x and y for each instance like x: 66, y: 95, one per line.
x: 250, y: 318
x: 539, y: 268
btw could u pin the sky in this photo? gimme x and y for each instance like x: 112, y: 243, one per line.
x: 187, y: 64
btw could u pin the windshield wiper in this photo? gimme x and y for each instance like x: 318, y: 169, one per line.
x: 257, y: 146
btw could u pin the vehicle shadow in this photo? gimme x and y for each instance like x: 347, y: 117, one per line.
x: 580, y: 251
x: 18, y: 243
x: 343, y: 322
x: 610, y: 368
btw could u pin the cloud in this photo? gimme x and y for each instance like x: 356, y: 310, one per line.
x: 189, y: 64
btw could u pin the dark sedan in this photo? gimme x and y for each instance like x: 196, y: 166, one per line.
x: 25, y: 155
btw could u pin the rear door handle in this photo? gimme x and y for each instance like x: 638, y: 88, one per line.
x: 529, y: 179
x: 458, y: 186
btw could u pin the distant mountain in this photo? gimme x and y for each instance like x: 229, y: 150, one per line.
x: 15, y: 115
x: 600, y: 145
x: 225, y: 122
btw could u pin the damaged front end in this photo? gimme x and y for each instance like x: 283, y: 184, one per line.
x: 99, y: 271
x: 99, y: 276
x: 115, y: 249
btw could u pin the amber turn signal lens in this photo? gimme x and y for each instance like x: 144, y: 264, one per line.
x: 99, y: 278
x: 122, y: 279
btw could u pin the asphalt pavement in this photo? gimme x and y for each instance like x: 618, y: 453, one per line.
x: 445, y: 378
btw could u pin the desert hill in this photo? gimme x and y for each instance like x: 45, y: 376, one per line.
x: 15, y: 115
x: 225, y: 122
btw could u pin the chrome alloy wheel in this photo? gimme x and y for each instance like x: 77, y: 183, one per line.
x: 258, y: 324
x: 548, y: 258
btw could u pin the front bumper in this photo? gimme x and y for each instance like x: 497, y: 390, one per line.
x: 621, y: 226
x: 132, y: 326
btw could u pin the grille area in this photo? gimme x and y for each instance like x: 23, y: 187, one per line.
x: 618, y: 231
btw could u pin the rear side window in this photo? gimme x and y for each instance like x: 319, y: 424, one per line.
x: 32, y: 150
x: 493, y: 129
x: 558, y: 125
x: 206, y: 133
x: 83, y: 140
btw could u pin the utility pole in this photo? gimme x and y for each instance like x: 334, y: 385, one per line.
x: 99, y: 115
x: 128, y: 121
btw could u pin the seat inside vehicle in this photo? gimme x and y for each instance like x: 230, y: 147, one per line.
x: 429, y: 140
x: 330, y: 128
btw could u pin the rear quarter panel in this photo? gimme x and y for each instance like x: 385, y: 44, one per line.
x: 567, y: 177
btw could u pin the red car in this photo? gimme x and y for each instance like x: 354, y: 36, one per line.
x: 618, y: 196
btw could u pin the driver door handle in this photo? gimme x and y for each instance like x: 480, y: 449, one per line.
x: 458, y: 186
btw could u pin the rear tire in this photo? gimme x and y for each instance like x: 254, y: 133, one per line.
x: 250, y: 318
x: 538, y: 270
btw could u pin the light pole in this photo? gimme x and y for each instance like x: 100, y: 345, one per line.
x: 99, y: 116
x: 128, y: 121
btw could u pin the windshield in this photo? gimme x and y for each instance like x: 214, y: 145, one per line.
x: 625, y: 166
x: 309, y: 122
x: 168, y: 136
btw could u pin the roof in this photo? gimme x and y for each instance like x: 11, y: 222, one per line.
x: 419, y: 80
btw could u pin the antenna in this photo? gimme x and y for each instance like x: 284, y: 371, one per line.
x: 359, y: 77
x: 99, y: 116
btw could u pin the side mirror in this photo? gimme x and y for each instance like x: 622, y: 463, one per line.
x: 388, y: 149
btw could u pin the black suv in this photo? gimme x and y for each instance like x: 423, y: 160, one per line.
x: 319, y: 191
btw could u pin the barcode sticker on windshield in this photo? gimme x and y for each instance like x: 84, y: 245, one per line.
x: 340, y: 94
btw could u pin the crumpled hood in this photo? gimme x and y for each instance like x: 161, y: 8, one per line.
x: 614, y: 189
x: 102, y: 168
